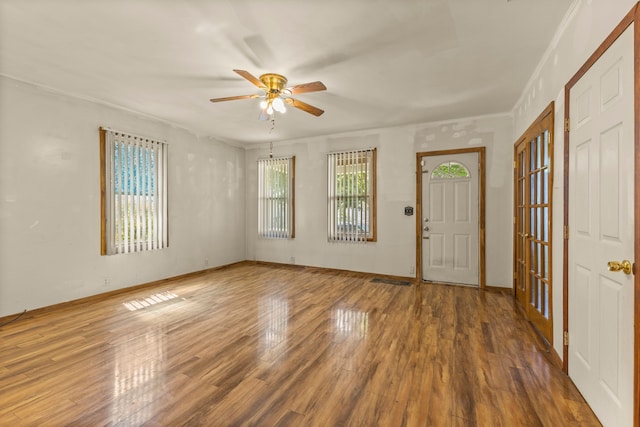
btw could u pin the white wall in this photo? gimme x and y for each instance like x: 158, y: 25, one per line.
x: 394, y: 253
x: 584, y: 29
x: 50, y: 204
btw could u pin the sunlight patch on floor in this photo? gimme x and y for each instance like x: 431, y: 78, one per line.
x: 142, y: 303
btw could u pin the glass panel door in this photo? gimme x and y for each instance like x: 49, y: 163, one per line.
x: 532, y: 222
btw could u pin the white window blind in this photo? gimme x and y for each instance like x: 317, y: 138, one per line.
x: 276, y: 198
x: 134, y: 193
x: 351, y: 196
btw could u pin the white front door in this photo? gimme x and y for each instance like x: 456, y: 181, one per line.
x: 601, y: 220
x: 450, y: 218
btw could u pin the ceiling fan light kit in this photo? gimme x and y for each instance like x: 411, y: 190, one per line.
x: 277, y: 94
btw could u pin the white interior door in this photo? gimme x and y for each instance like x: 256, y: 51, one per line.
x: 601, y: 219
x: 450, y: 225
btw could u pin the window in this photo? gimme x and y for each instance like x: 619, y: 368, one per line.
x: 133, y: 193
x: 276, y: 198
x: 450, y: 170
x: 352, y: 196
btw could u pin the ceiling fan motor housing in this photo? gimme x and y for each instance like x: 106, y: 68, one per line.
x: 274, y: 82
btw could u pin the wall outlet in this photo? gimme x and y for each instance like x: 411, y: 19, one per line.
x: 412, y: 270
x: 106, y: 281
x: 292, y: 260
x: 206, y: 262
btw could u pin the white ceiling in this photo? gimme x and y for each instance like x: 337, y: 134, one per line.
x: 384, y: 63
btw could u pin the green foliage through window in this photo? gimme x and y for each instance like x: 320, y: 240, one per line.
x: 450, y: 170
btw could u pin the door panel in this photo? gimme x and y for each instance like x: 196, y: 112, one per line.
x: 462, y: 199
x: 461, y: 249
x: 610, y: 299
x: 436, y: 251
x: 609, y: 184
x: 582, y: 185
x: 436, y: 202
x: 601, y: 225
x: 582, y: 298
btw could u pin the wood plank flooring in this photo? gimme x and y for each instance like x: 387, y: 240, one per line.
x: 264, y: 345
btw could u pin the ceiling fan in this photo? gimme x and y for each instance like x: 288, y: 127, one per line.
x: 277, y: 94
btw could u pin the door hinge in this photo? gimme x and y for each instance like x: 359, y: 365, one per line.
x: 565, y: 339
x: 515, y: 275
x: 567, y: 126
x: 515, y: 164
x: 566, y: 232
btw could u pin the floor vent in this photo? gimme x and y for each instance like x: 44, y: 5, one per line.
x: 391, y: 281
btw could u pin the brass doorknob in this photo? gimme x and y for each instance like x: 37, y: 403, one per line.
x: 625, y: 266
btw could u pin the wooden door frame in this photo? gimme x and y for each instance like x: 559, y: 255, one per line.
x: 632, y: 18
x: 481, y: 208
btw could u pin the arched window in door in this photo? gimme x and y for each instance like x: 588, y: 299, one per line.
x: 450, y: 170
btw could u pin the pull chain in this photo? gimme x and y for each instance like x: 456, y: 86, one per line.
x: 273, y: 126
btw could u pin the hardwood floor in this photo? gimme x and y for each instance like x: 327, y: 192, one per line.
x: 271, y: 345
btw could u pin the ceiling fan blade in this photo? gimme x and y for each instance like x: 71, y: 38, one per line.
x: 253, y: 79
x: 231, y: 98
x: 304, y: 106
x: 307, y: 87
